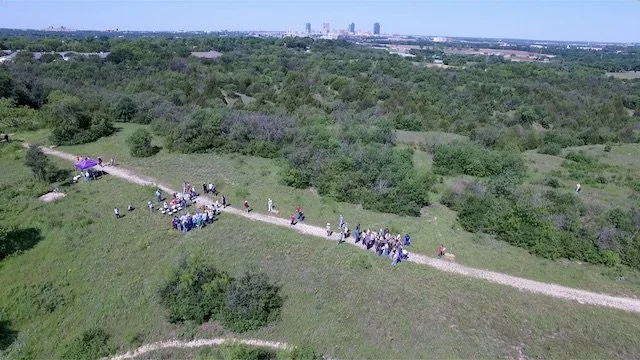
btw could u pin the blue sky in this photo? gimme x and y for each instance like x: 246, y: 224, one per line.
x: 603, y: 20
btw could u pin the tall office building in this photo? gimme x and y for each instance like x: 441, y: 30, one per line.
x: 308, y: 28
x: 376, y: 29
x: 326, y: 28
x: 352, y: 28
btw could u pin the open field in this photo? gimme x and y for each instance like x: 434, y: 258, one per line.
x: 346, y: 303
x: 257, y: 179
x: 626, y: 75
x: 426, y: 137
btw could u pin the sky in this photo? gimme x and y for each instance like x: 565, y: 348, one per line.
x: 586, y: 20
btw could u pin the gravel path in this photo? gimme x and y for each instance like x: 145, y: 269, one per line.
x: 553, y: 290
x: 195, y: 344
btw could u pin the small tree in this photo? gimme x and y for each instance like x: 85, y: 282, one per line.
x: 38, y: 162
x: 140, y: 144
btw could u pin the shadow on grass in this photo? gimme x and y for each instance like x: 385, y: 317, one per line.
x: 17, y: 240
x: 7, y: 334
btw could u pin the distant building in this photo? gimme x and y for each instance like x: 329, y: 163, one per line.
x: 308, y: 28
x: 352, y: 28
x: 326, y: 28
x: 376, y: 29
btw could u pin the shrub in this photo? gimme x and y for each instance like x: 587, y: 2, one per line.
x: 304, y: 352
x: 551, y: 182
x: 37, y: 161
x: 251, y: 301
x: 607, y: 148
x: 246, y: 352
x: 550, y: 149
x: 610, y: 259
x: 195, y: 291
x: 91, y: 344
x: 470, y: 159
x: 140, y: 144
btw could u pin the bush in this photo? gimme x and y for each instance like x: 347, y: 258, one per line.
x: 37, y: 161
x: 246, y: 352
x: 251, y: 301
x: 610, y: 259
x: 194, y: 292
x: 140, y: 144
x: 550, y: 149
x: 91, y: 344
x: 470, y: 159
x: 197, y: 292
x: 551, y: 182
x: 607, y: 148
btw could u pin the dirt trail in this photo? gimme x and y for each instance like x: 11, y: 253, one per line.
x: 553, y: 290
x: 195, y: 344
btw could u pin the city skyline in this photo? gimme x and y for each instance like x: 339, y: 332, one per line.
x: 564, y: 20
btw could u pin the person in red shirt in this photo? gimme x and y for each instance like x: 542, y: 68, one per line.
x: 300, y: 213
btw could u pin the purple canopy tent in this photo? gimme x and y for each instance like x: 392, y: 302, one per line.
x: 85, y: 164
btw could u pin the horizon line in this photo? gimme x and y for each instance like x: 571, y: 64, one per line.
x: 317, y: 31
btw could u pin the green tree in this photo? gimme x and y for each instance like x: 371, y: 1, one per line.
x: 37, y: 161
x: 140, y: 144
x: 126, y: 109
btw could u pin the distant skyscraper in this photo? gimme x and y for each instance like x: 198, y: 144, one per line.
x: 308, y: 28
x: 326, y: 28
x: 352, y: 28
x: 376, y: 29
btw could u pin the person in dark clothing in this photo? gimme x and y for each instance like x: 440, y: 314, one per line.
x: 204, y: 189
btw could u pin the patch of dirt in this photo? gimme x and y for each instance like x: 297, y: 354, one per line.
x: 196, y: 344
x: 52, y: 196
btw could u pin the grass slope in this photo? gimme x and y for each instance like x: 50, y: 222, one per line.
x: 347, y: 303
x: 257, y: 179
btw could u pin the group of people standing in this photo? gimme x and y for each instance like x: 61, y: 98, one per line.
x: 383, y: 242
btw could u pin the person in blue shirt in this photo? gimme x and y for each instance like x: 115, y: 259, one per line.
x: 407, y: 240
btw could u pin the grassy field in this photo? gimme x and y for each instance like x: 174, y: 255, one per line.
x: 257, y: 179
x: 347, y: 303
x: 426, y: 137
x: 626, y: 75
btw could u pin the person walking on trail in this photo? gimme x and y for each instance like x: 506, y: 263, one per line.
x: 292, y: 220
x: 223, y: 199
x: 247, y: 207
x: 329, y: 232
x: 577, y: 188
x: 300, y: 213
x: 441, y: 250
x: 341, y: 221
x: 270, y: 205
x: 356, y: 233
x: 116, y: 212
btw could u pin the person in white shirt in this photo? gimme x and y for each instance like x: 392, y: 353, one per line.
x: 577, y: 188
x: 270, y: 205
x: 116, y: 212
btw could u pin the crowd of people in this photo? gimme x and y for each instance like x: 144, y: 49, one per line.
x: 382, y: 241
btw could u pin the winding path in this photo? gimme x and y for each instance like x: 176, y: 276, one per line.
x: 195, y: 344
x: 553, y: 290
